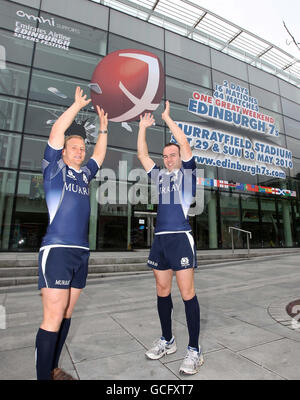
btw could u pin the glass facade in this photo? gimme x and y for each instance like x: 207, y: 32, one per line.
x: 38, y: 77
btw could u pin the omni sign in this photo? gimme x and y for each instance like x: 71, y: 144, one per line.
x: 41, y: 20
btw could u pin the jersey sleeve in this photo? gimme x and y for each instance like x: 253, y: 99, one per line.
x: 153, y: 173
x: 190, y: 174
x: 91, y: 169
x: 190, y: 164
x: 52, y: 162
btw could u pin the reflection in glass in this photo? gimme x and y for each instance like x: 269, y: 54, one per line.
x: 31, y: 216
x: 206, y: 232
x: 40, y: 118
x: 9, y: 149
x: 16, y: 49
x: 11, y: 114
x: 188, y: 71
x: 250, y: 219
x: 269, y: 229
x: 73, y: 62
x: 14, y: 80
x: 181, y: 92
x: 7, y: 190
x: 32, y: 153
x: 53, y: 88
x: 230, y: 216
x: 81, y: 36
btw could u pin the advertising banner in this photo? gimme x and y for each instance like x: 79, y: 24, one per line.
x: 236, y: 136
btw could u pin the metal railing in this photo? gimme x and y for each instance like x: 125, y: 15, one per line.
x: 249, y: 235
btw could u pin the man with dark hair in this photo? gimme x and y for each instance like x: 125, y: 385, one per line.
x: 173, y: 247
x: 64, y: 253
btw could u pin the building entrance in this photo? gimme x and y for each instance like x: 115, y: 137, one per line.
x: 143, y: 229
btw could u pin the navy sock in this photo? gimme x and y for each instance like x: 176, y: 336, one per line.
x: 45, y: 349
x: 192, y: 312
x: 164, y: 307
x: 62, y: 335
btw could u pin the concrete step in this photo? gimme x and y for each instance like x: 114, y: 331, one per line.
x: 16, y: 260
x: 18, y: 271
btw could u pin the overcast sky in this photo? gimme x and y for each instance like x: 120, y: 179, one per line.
x: 262, y: 17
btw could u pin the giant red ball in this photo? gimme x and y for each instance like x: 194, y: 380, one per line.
x: 127, y: 83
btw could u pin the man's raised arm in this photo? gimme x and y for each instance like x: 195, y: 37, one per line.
x: 101, y: 145
x: 185, y: 148
x: 57, y: 134
x: 146, y: 121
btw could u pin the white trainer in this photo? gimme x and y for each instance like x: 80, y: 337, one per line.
x: 160, y: 348
x: 192, y: 362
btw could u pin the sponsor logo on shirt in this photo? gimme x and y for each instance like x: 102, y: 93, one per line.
x: 72, y: 187
x: 185, y: 262
x: 155, y: 264
x: 85, y: 180
x: 61, y: 282
x: 71, y: 175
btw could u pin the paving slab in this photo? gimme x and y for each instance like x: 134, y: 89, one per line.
x: 115, y: 321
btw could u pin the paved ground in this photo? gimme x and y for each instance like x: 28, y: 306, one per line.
x: 245, y: 331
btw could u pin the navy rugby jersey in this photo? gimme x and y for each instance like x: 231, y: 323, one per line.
x: 176, y: 191
x: 67, y: 198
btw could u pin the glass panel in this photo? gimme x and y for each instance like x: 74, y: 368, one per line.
x: 220, y: 77
x: 112, y: 229
x: 9, y: 149
x: 32, y: 153
x: 230, y: 216
x: 294, y: 146
x: 120, y: 136
x: 295, y: 172
x: 81, y: 36
x: 236, y: 176
x: 40, y: 118
x: 296, y: 222
x: 266, y: 99
x: 291, y: 109
x: 72, y: 62
x: 31, y: 216
x: 269, y: 226
x: 188, y: 71
x: 230, y: 65
x: 15, y: 49
x: 181, y: 92
x: 263, y: 79
x: 129, y: 159
x: 206, y: 223
x: 12, y: 13
x: 11, y: 113
x: 292, y: 127
x: 7, y: 190
x: 53, y: 88
x: 14, y: 80
x: 250, y: 220
x: 119, y: 43
x: 285, y: 223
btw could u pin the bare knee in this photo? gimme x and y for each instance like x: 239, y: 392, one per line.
x: 163, y: 290
x: 54, y: 305
x: 187, y: 293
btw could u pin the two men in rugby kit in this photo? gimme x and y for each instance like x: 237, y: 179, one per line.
x: 64, y: 253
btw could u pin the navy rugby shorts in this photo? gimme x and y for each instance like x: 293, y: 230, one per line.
x: 176, y: 251
x: 63, y: 267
